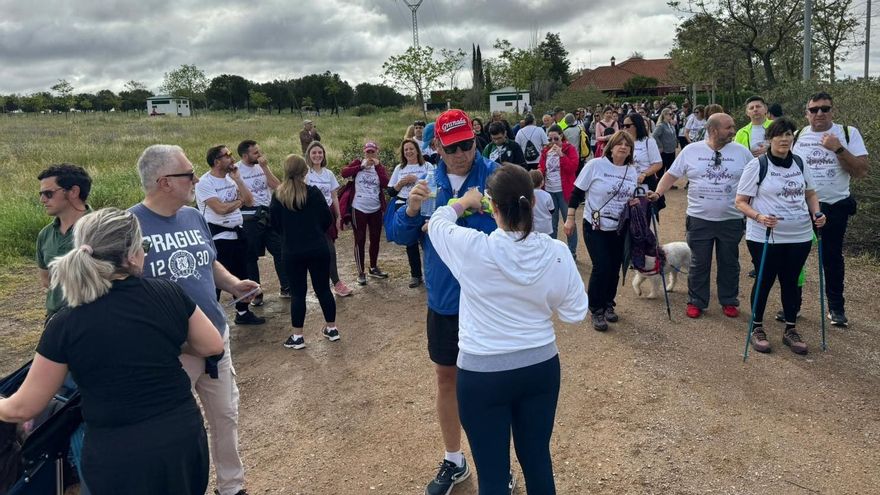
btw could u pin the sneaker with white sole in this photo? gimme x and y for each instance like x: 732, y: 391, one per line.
x: 448, y: 475
x: 341, y: 289
x: 838, y: 318
x: 330, y: 334
x: 375, y: 272
x: 292, y: 343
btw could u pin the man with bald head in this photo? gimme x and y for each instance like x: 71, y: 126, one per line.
x: 713, y: 167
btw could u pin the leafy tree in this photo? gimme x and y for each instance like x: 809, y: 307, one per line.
x: 188, y: 81
x: 418, y: 70
x: 638, y: 84
x: 379, y: 95
x: 521, y: 68
x: 228, y: 91
x: 36, y: 102
x: 105, y: 100
x: 637, y: 55
x: 259, y: 99
x: 555, y: 54
x: 834, y: 23
x: 64, y: 94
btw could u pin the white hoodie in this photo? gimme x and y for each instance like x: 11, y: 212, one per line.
x: 509, y: 288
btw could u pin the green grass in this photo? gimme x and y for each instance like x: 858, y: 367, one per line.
x: 108, y: 146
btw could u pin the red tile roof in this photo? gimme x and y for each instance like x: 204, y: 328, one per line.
x: 612, y: 78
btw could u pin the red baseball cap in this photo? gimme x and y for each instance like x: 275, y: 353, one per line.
x: 453, y: 126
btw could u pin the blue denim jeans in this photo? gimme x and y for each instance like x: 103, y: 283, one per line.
x: 560, y: 207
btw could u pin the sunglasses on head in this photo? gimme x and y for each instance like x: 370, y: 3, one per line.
x: 51, y: 192
x: 461, y: 145
x: 146, y: 244
x: 824, y: 108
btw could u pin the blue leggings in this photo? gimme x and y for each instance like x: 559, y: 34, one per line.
x: 520, y: 401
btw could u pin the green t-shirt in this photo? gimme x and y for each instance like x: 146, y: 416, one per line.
x: 51, y: 243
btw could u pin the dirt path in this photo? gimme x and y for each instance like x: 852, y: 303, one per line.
x: 650, y: 407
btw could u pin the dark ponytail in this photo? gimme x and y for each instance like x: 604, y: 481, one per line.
x: 510, y: 187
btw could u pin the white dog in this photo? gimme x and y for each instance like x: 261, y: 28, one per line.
x: 678, y: 259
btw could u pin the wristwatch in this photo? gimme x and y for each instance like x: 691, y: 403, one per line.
x: 839, y: 150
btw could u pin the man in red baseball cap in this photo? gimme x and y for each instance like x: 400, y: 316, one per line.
x: 459, y: 169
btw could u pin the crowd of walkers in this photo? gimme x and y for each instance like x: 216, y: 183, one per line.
x: 478, y: 207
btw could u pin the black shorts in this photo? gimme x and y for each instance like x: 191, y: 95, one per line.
x: 442, y: 338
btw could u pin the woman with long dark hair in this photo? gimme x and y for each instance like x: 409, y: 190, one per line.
x: 512, y: 282
x: 412, y: 167
x: 605, y: 128
x: 559, y: 162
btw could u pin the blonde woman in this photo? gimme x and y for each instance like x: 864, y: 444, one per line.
x: 300, y: 212
x: 121, y: 337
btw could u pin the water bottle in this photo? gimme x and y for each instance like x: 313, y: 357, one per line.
x: 430, y: 203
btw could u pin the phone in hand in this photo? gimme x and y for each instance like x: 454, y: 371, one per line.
x: 244, y: 296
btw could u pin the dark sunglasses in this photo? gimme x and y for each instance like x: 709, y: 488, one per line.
x: 461, y: 145
x: 824, y: 108
x: 50, y: 192
x: 717, y: 158
x: 627, y: 126
x: 188, y: 175
x: 146, y: 244
x: 554, y: 139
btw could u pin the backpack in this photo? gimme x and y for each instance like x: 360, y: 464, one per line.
x: 531, y: 153
x: 584, y: 146
x: 764, y: 163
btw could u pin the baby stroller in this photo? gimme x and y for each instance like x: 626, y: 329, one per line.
x: 42, y: 467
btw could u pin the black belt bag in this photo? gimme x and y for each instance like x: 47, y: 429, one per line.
x: 260, y: 214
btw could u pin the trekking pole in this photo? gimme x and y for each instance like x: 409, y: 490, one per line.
x: 757, y: 292
x: 654, y: 216
x: 821, y: 282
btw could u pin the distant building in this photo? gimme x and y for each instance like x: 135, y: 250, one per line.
x: 508, y: 100
x: 168, y: 105
x: 612, y: 78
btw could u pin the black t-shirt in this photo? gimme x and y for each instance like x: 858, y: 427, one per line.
x: 123, y: 350
x: 304, y: 230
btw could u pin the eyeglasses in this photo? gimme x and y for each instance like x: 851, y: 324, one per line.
x: 461, y: 145
x: 146, y: 244
x: 554, y: 139
x: 189, y: 175
x: 627, y: 126
x: 48, y: 193
x: 824, y: 108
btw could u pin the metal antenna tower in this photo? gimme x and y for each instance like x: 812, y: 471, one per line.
x: 414, y: 6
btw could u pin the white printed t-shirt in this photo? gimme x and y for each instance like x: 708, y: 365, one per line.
x: 832, y: 182
x: 553, y: 175
x: 783, y: 195
x: 542, y: 213
x: 609, y: 187
x: 712, y: 189
x: 645, y: 154
x: 325, y: 181
x: 255, y: 180
x: 366, y: 191
x: 226, y: 191
x: 405, y: 170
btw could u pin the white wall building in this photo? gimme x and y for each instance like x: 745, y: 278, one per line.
x: 505, y: 100
x: 168, y: 105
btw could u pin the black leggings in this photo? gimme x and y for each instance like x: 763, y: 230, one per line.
x: 520, y: 401
x: 415, y: 260
x: 231, y: 253
x: 606, y: 253
x: 317, y: 264
x: 784, y: 261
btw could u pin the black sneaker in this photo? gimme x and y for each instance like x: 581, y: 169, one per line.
x: 610, y: 315
x: 448, y: 475
x: 375, y: 272
x: 249, y: 318
x: 292, y: 343
x: 362, y: 280
x: 415, y: 282
x: 258, y: 301
x: 838, y: 318
x: 331, y: 335
x: 599, y: 323
x: 780, y: 315
x: 284, y: 293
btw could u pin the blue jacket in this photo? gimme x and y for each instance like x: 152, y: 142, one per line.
x: 443, y: 288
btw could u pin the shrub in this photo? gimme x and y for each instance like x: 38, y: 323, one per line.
x: 365, y: 109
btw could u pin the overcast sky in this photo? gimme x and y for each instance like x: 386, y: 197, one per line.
x: 97, y: 45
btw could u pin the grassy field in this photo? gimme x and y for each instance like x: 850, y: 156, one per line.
x: 108, y: 146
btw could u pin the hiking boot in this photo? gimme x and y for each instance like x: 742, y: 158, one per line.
x: 375, y: 272
x: 284, y: 293
x: 332, y: 334
x: 415, y: 282
x: 292, y: 343
x: 730, y: 311
x: 610, y: 315
x: 780, y: 315
x: 599, y: 322
x: 448, y: 475
x: 693, y: 311
x: 249, y: 318
x: 838, y: 318
x: 759, y: 340
x: 362, y: 280
x: 793, y: 340
x: 341, y: 289
x: 258, y: 301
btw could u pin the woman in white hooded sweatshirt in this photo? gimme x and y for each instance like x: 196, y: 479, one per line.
x: 512, y: 281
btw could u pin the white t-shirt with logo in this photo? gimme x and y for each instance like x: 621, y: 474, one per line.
x: 552, y: 174
x: 832, y: 182
x: 782, y: 194
x: 609, y: 187
x: 712, y: 189
x: 405, y: 170
x: 226, y: 191
x: 367, y: 191
x: 325, y: 181
x: 645, y: 154
x: 542, y: 213
x: 756, y: 137
x: 255, y: 180
x: 694, y: 126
